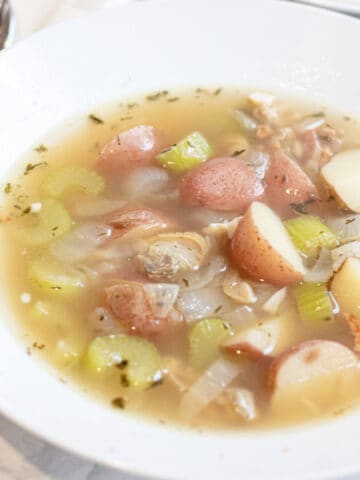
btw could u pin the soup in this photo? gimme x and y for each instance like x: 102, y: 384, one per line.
x: 194, y: 257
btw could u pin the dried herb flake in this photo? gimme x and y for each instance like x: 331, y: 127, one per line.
x: 94, y: 118
x: 118, y: 402
x: 8, y: 188
x: 40, y: 149
x: 31, y: 166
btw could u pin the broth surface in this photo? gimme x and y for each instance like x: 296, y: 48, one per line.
x: 60, y: 325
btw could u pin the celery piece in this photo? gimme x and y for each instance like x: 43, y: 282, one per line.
x: 309, y: 234
x: 204, y: 340
x: 186, y: 154
x: 73, y: 178
x: 313, y: 302
x: 56, y: 277
x: 137, y: 360
x: 50, y: 222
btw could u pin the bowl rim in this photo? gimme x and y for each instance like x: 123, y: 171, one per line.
x: 11, y: 410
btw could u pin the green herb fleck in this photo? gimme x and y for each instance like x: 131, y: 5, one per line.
x: 173, y: 99
x: 350, y: 220
x: 236, y: 153
x: 118, y: 402
x: 317, y: 115
x: 185, y: 282
x: 123, y: 119
x: 94, y: 118
x: 347, y: 119
x: 217, y: 309
x: 217, y: 91
x: 157, y: 95
x: 26, y: 211
x: 131, y: 105
x: 124, y: 380
x: 31, y: 166
x: 7, y: 188
x: 56, y: 288
x: 39, y: 346
x: 40, y: 149
x: 121, y: 365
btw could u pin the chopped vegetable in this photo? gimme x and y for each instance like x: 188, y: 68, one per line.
x: 73, y: 178
x: 309, y: 234
x: 340, y: 254
x: 313, y: 302
x: 347, y: 228
x: 209, y: 386
x: 186, y: 154
x: 205, y: 338
x: 51, y: 221
x: 273, y: 304
x: 56, y: 277
x: 137, y: 359
x: 322, y: 270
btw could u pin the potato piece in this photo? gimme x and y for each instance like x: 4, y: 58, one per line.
x: 262, y: 248
x: 287, y: 185
x: 133, y: 148
x: 221, y: 184
x: 345, y: 287
x: 257, y: 341
x: 314, y: 374
x: 146, y: 309
x: 342, y: 176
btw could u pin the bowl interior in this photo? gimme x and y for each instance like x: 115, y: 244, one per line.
x: 70, y: 69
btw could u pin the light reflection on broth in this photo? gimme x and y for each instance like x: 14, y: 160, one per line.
x: 62, y: 313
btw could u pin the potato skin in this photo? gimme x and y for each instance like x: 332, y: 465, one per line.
x: 286, y: 184
x: 225, y: 184
x: 131, y: 149
x: 309, y: 349
x: 129, y: 304
x: 254, y: 255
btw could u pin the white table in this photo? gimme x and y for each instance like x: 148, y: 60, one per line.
x: 23, y: 456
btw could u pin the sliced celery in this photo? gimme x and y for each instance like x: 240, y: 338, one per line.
x: 186, y: 154
x: 137, y: 360
x: 204, y: 339
x: 309, y: 234
x: 73, y: 178
x: 56, y: 277
x: 313, y: 302
x: 50, y: 222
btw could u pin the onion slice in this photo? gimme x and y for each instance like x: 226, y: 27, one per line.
x: 208, y: 387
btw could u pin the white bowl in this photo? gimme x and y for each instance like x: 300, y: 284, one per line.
x: 70, y: 69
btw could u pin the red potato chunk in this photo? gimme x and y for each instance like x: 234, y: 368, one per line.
x: 309, y: 360
x: 131, y: 149
x: 287, y: 185
x: 226, y: 184
x: 137, y: 222
x: 145, y: 309
x: 262, y: 248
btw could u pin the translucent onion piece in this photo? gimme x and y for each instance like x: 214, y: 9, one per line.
x: 258, y: 161
x: 223, y: 229
x: 245, y: 121
x: 205, y: 276
x: 242, y: 401
x: 161, y: 297
x: 273, y: 304
x: 322, y: 270
x: 145, y: 181
x: 80, y: 242
x: 208, y: 387
x: 340, y: 254
x: 205, y: 302
x: 347, y: 228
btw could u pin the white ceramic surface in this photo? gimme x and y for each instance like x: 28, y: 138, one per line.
x: 70, y: 69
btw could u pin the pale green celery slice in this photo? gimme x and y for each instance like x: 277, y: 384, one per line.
x: 56, y: 277
x: 50, y: 222
x: 309, y: 234
x: 73, y: 178
x: 314, y: 303
x: 137, y: 360
x: 186, y: 154
x: 205, y: 339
